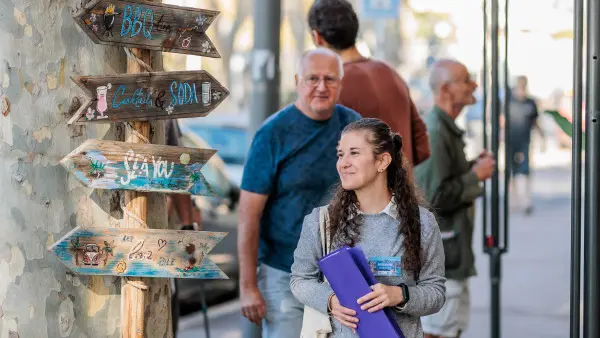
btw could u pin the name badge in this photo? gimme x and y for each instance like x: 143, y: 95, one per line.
x: 386, y: 266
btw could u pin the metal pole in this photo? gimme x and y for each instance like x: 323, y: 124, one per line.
x: 484, y: 86
x: 204, y: 309
x: 507, y: 150
x: 265, y: 62
x: 591, y: 301
x: 495, y: 113
x: 495, y: 267
x: 576, y: 169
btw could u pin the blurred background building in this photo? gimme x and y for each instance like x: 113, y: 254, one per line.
x: 540, y: 47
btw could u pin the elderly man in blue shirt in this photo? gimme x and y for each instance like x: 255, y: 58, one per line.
x: 289, y: 170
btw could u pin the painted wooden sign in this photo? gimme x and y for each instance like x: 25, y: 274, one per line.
x: 148, y: 96
x: 140, y: 252
x: 148, y: 25
x: 143, y: 167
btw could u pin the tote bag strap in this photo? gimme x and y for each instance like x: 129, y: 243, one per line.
x: 324, y: 234
x: 324, y: 230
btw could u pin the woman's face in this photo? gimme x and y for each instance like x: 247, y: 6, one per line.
x: 357, y: 164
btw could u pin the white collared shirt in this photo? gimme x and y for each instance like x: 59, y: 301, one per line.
x: 390, y: 209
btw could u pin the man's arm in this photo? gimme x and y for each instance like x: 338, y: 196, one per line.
x: 183, y: 206
x: 420, y: 137
x: 180, y: 202
x: 536, y: 116
x: 250, y: 211
x: 257, y: 185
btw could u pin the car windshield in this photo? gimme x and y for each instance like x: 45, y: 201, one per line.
x: 230, y: 142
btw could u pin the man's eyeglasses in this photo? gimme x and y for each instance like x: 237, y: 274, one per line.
x: 313, y: 80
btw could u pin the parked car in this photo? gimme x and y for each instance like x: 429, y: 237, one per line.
x: 219, y: 213
x: 228, y: 135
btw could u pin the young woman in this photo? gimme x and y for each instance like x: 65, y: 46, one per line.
x: 377, y: 209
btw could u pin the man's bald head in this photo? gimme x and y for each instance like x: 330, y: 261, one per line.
x: 452, y: 86
x: 442, y: 72
x: 322, y: 52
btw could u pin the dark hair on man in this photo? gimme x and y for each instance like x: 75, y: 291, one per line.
x: 335, y: 21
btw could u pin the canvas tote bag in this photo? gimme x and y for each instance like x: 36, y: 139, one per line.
x: 314, y: 323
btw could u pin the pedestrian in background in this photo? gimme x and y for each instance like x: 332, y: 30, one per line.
x: 371, y: 87
x: 523, y: 119
x: 289, y: 170
x: 451, y: 184
x: 188, y: 214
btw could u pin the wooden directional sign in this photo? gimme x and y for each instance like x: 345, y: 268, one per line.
x: 148, y: 96
x: 148, y: 25
x: 140, y: 252
x: 142, y: 167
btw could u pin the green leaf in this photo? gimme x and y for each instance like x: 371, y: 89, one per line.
x: 565, y: 125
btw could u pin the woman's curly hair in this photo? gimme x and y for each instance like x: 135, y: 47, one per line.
x: 345, y: 229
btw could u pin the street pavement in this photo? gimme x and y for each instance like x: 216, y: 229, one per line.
x: 535, y: 271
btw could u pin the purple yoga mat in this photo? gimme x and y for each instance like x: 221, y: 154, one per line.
x: 347, y: 271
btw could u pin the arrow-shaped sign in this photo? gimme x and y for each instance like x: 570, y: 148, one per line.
x: 148, y: 96
x: 148, y: 25
x: 143, y: 167
x: 140, y: 252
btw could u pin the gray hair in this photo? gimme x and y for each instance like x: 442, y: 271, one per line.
x: 440, y: 73
x: 319, y: 51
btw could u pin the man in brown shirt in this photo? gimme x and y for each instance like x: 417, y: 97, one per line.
x: 370, y: 87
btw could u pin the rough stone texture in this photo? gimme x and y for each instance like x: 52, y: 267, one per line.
x: 40, y: 49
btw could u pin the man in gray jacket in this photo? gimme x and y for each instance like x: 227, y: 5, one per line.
x: 451, y: 184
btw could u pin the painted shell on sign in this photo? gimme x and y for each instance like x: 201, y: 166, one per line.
x: 121, y: 267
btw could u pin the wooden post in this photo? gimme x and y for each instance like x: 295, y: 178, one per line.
x: 133, y: 289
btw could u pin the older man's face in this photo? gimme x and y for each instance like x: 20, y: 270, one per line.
x: 462, y: 87
x: 319, y: 85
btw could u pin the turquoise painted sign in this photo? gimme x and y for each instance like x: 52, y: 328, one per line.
x: 140, y: 252
x: 103, y: 164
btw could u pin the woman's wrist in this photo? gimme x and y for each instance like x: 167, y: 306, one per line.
x: 329, y: 302
x: 398, y: 296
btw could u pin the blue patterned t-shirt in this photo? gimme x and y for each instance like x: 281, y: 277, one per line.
x: 292, y: 159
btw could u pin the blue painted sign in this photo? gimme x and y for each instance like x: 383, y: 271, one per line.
x: 148, y: 25
x: 379, y: 9
x: 142, y: 167
x: 140, y: 252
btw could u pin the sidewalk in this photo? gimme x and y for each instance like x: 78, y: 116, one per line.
x: 535, y: 273
x: 535, y: 287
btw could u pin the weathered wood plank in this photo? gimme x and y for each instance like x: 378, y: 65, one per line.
x: 140, y: 252
x: 141, y: 167
x: 147, y: 25
x: 148, y: 96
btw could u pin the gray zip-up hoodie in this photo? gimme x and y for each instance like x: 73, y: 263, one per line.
x: 380, y: 236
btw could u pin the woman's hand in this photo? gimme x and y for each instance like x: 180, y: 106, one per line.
x: 343, y: 314
x: 381, y: 297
